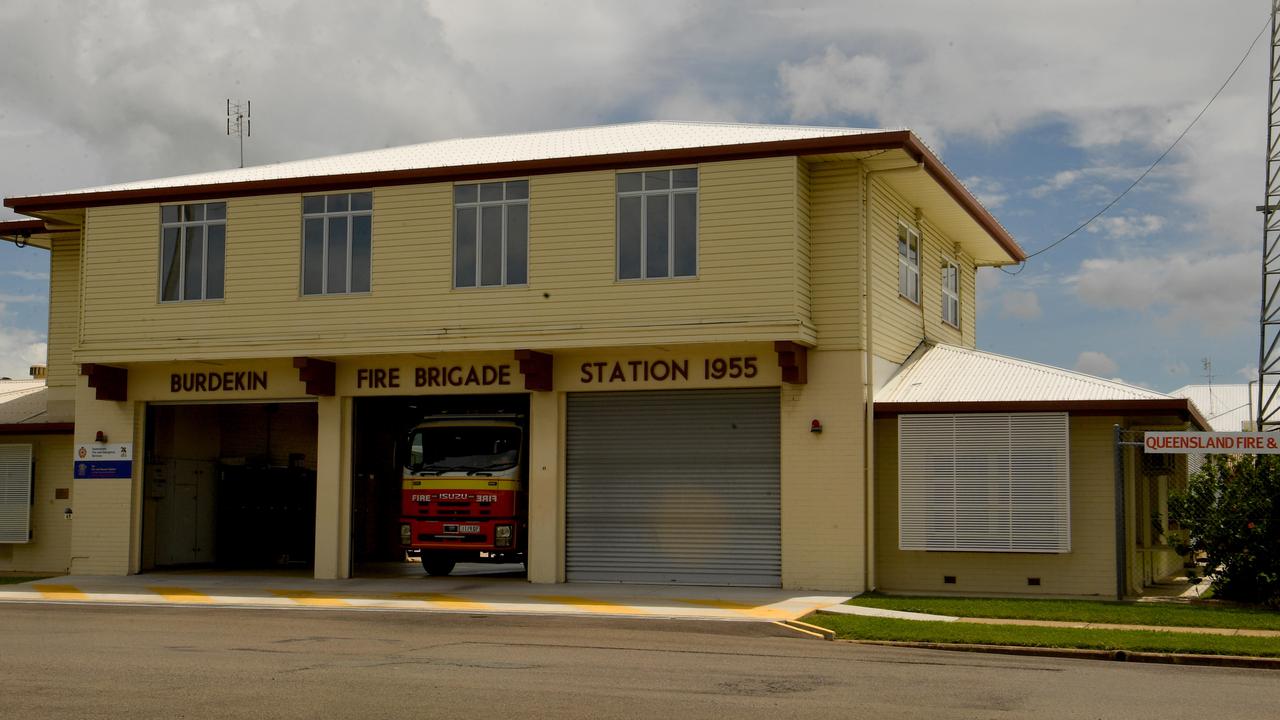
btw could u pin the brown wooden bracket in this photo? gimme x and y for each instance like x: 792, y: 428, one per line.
x: 793, y: 358
x: 319, y: 375
x: 536, y: 368
x: 111, y: 382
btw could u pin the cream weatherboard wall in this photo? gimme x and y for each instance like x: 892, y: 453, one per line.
x: 835, y: 194
x: 50, y: 545
x: 1088, y: 570
x: 899, y: 324
x: 746, y: 288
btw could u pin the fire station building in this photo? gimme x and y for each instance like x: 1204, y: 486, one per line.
x: 744, y: 355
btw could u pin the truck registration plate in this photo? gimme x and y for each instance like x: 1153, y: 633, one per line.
x: 468, y: 528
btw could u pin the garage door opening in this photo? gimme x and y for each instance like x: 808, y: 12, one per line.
x: 674, y: 487
x: 467, y: 463
x: 230, y: 486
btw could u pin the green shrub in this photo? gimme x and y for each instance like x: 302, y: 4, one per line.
x: 1229, y: 514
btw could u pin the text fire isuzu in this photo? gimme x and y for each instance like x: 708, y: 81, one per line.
x: 463, y: 493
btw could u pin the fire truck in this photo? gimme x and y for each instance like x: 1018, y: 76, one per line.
x: 463, y: 494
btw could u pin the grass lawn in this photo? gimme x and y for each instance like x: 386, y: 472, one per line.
x: 1131, y: 613
x: 851, y: 627
x: 15, y: 579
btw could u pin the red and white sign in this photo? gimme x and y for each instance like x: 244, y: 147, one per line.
x: 1235, y: 443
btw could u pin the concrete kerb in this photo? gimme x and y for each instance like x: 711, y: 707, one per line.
x: 463, y: 594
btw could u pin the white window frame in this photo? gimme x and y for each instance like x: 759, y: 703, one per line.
x: 16, y: 492
x: 669, y: 192
x: 479, y: 206
x: 908, y: 271
x: 984, y: 482
x: 182, y: 226
x: 326, y: 216
x: 951, y: 293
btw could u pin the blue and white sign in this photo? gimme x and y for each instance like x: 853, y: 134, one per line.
x: 104, y: 461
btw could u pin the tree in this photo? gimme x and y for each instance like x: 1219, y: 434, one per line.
x: 1230, y: 513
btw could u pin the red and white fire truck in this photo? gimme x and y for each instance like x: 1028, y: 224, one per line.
x: 463, y: 492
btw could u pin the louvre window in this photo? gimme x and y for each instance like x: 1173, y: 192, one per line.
x: 984, y: 483
x: 15, y: 493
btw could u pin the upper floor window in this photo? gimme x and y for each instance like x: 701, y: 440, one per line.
x: 950, y: 293
x: 909, y: 263
x: 337, y: 233
x: 491, y: 234
x: 192, y: 251
x: 658, y: 224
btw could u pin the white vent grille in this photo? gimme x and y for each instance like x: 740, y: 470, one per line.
x: 15, y: 493
x: 984, y: 482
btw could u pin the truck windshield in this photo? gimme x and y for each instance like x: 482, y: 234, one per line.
x: 451, y: 449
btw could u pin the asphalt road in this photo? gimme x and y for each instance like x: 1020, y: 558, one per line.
x: 89, y: 662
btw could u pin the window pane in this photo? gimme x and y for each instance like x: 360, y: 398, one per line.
x: 335, y: 276
x: 313, y: 257
x: 193, y: 212
x: 336, y: 203
x: 685, y: 178
x: 464, y: 193
x: 902, y: 241
x: 656, y: 242
x: 361, y: 248
x: 517, y: 244
x: 193, y: 258
x: 215, y: 261
x: 169, y: 263
x: 215, y: 211
x: 902, y: 279
x: 518, y: 190
x: 686, y: 229
x: 170, y: 213
x: 628, y: 237
x: 490, y: 244
x: 464, y: 247
x: 629, y: 182
x: 362, y: 201
x: 313, y: 204
x: 490, y: 192
x: 658, y: 180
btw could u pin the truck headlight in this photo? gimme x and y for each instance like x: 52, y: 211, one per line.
x: 406, y: 534
x: 502, y: 536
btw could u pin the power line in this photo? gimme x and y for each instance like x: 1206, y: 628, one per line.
x: 1022, y: 265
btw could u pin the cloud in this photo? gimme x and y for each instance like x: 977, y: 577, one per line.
x: 1020, y: 304
x: 989, y: 191
x: 1214, y: 293
x: 19, y: 348
x: 1095, y: 363
x: 1060, y: 181
x: 1126, y: 227
x: 26, y: 274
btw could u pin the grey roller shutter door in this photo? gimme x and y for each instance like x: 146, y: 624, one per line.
x: 674, y: 487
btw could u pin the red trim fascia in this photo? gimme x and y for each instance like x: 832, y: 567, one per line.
x: 37, y: 428
x: 9, y: 227
x: 1173, y: 406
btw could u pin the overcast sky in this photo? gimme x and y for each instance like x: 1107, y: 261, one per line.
x: 1046, y: 110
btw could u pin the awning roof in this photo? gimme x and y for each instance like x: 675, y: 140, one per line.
x: 940, y: 378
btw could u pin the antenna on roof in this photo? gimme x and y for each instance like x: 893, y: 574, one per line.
x: 239, y: 122
x: 1207, y: 364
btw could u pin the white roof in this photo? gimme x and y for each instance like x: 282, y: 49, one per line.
x: 1226, y: 407
x: 21, y: 401
x: 947, y: 373
x: 461, y: 152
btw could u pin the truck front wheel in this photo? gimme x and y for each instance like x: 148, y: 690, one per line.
x: 437, y: 565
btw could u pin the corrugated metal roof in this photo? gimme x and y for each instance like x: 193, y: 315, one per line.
x: 947, y: 373
x: 1226, y: 407
x: 461, y: 152
x: 22, y: 401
